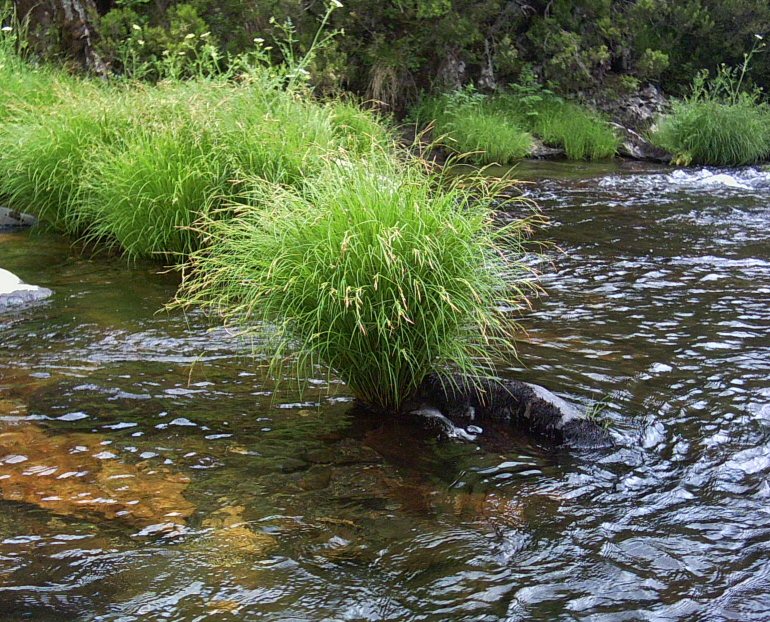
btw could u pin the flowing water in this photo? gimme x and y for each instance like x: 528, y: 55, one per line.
x: 149, y: 471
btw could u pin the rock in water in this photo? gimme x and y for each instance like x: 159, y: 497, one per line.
x: 11, y: 219
x: 15, y: 293
x: 72, y: 474
x: 519, y: 405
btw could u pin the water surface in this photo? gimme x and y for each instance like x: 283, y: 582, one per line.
x: 206, y: 495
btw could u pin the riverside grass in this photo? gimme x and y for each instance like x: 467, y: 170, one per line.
x: 498, y: 129
x: 715, y: 133
x: 284, y: 211
x: 375, y: 270
x: 130, y: 168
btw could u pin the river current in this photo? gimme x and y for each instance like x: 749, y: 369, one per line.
x: 150, y: 471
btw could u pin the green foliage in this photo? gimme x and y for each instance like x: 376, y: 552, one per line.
x: 144, y: 197
x: 488, y: 137
x: 44, y: 158
x: 373, y: 270
x: 465, y: 123
x: 721, y: 122
x: 711, y: 132
x: 489, y: 129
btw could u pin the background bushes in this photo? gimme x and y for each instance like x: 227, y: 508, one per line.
x: 393, y: 51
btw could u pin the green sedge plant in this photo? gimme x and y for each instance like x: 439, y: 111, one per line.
x: 721, y: 122
x: 374, y: 270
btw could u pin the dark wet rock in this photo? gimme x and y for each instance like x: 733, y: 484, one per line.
x: 11, y: 219
x: 634, y: 145
x: 15, y: 293
x: 515, y: 404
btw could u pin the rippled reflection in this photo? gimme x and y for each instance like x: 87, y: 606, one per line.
x: 265, y: 505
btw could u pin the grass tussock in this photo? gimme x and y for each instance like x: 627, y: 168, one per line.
x: 715, y: 133
x: 467, y: 125
x: 500, y: 128
x: 370, y: 271
x: 294, y: 216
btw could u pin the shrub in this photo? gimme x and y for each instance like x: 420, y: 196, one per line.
x: 370, y: 271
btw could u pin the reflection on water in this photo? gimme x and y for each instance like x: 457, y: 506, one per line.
x: 223, y: 500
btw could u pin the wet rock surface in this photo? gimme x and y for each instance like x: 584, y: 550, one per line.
x: 76, y: 474
x: 520, y: 405
x: 15, y: 293
x: 11, y: 219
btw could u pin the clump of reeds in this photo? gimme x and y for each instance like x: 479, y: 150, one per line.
x: 374, y: 270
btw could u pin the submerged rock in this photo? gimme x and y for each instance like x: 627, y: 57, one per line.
x: 74, y: 474
x: 519, y: 405
x: 15, y: 293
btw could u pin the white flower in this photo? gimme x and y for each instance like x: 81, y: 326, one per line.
x: 189, y: 36
x: 337, y: 4
x: 6, y: 29
x: 136, y: 26
x: 760, y: 37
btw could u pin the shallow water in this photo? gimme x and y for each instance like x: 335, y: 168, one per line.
x: 205, y: 495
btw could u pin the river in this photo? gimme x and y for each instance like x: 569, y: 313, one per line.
x: 150, y: 471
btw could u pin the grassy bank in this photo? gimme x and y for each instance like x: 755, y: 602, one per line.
x: 499, y: 129
x: 280, y: 210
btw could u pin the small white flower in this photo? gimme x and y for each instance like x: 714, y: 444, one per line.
x: 140, y: 41
x: 6, y: 29
x: 205, y: 35
x: 760, y: 37
x: 136, y: 26
x: 259, y: 40
x: 337, y: 4
x: 189, y: 36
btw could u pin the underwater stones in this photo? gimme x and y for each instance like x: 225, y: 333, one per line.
x: 520, y: 405
x: 231, y: 537
x: 15, y: 293
x: 75, y: 475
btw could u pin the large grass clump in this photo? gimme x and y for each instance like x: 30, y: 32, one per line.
x: 715, y: 133
x: 722, y: 122
x: 145, y: 197
x: 130, y: 167
x: 375, y: 271
x: 500, y: 128
x: 46, y: 158
x: 582, y: 133
x: 467, y: 125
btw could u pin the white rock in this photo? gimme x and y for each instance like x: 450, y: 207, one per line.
x: 15, y: 293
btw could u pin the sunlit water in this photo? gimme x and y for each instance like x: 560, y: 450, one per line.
x: 270, y: 506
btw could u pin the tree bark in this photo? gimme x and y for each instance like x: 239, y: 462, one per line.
x: 72, y: 21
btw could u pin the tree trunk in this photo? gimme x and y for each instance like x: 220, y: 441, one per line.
x: 69, y: 21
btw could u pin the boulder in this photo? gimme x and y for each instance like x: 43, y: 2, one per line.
x: 15, y: 293
x: 519, y: 405
x: 635, y: 146
x: 11, y: 219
